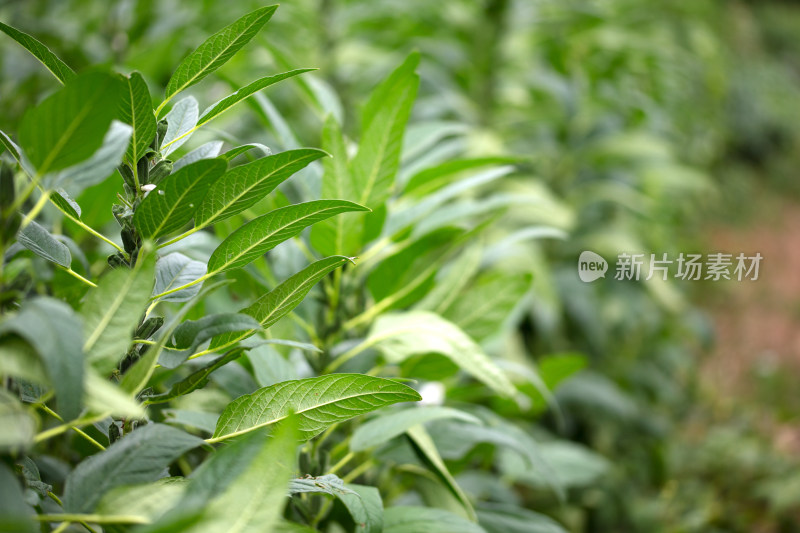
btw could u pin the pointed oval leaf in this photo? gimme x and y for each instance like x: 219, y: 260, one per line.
x: 339, y: 235
x: 102, y: 163
x: 365, y: 506
x: 112, y: 311
x: 136, y: 458
x: 426, y: 450
x: 181, y: 122
x: 217, y: 50
x: 208, y: 150
x: 327, y: 484
x: 280, y: 301
x: 191, y: 334
x: 65, y: 203
x: 264, y: 233
x: 53, y: 329
x: 316, y: 402
x: 253, y: 501
x: 386, y: 427
x: 402, y: 335
x: 174, y: 201
x: 243, y: 186
x: 383, y: 123
x: 69, y: 126
x: 136, y: 109
x: 175, y: 270
x: 194, y: 381
x: 59, y: 69
x: 39, y: 241
x: 229, y: 101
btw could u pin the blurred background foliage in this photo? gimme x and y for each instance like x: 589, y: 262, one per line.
x: 634, y: 125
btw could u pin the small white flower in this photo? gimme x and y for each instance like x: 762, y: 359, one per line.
x: 149, y: 187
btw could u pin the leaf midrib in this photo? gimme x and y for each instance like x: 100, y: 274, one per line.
x: 373, y: 173
x: 268, y: 236
x: 225, y: 49
x: 300, y: 412
x: 247, y: 190
x: 177, y: 202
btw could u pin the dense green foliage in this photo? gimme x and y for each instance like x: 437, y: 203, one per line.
x: 346, y: 299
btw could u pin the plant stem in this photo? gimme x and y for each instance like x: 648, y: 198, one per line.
x: 181, y: 236
x: 92, y: 231
x: 80, y: 432
x: 36, y: 208
x: 76, y: 275
x: 357, y: 471
x: 58, y: 430
x: 93, y: 518
x: 343, y: 461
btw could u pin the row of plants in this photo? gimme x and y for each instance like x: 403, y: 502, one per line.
x: 424, y: 251
x: 139, y: 391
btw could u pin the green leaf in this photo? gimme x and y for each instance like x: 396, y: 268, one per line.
x: 181, y: 122
x: 191, y: 334
x: 482, y: 310
x: 59, y: 69
x: 112, y: 311
x: 69, y: 126
x: 387, y: 426
x: 407, y: 275
x: 174, y: 201
x: 244, y: 185
x: 427, y: 520
x: 208, y: 150
x: 136, y: 109
x: 327, y: 484
x: 264, y: 233
x: 239, y: 150
x: 19, y: 426
x: 280, y: 301
x: 499, y: 518
x: 66, y: 203
x: 139, y: 457
x: 217, y: 50
x: 102, y: 163
x: 573, y: 465
x: 399, y: 336
x: 53, y: 329
x: 175, y: 270
x: 148, y: 501
x: 365, y: 506
x: 229, y: 101
x: 432, y: 178
x: 451, y: 281
x: 103, y: 396
x: 253, y: 501
x: 341, y: 235
x: 15, y: 513
x: 136, y: 378
x: 39, y: 241
x: 196, y: 380
x: 426, y: 450
x: 383, y: 123
x: 317, y: 402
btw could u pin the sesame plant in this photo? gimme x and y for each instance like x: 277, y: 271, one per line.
x: 175, y: 377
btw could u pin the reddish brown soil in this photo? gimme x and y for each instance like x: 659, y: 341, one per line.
x: 758, y: 323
